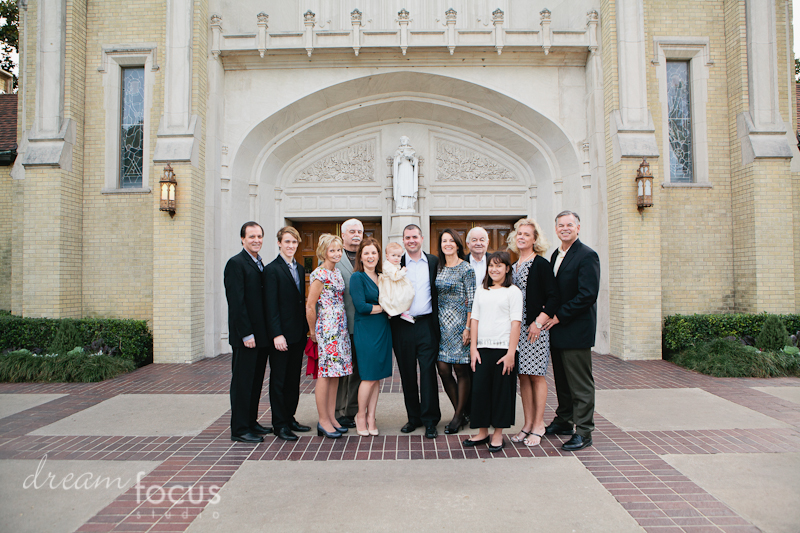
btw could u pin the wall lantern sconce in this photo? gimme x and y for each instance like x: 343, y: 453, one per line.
x: 168, y: 189
x: 644, y: 185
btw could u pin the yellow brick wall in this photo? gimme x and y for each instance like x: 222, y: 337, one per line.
x: 6, y: 225
x: 118, y: 228
x: 52, y: 234
x: 179, y: 242
x: 696, y: 234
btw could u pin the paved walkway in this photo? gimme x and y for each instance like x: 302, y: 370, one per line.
x: 673, y: 451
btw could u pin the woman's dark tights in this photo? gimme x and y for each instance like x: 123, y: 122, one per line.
x: 457, y: 391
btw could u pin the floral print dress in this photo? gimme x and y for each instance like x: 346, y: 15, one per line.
x: 333, y: 340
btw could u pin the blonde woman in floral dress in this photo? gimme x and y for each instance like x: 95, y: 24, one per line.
x: 328, y: 324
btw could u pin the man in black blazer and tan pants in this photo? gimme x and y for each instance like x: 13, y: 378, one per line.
x: 418, y: 343
x: 572, y: 333
x: 247, y: 334
x: 284, y: 294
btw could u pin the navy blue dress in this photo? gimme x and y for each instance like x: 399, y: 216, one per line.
x: 372, y: 335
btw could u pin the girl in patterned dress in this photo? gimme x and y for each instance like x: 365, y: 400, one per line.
x: 455, y: 283
x: 328, y: 324
x: 533, y: 274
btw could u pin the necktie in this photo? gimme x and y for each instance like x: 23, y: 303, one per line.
x: 295, y: 277
x: 260, y: 264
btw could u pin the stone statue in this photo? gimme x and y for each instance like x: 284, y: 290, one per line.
x: 406, y: 177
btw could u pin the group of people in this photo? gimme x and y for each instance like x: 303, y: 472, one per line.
x: 475, y: 319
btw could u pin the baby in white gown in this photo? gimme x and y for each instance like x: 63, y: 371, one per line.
x: 395, y: 290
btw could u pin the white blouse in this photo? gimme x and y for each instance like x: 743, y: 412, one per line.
x: 495, y: 309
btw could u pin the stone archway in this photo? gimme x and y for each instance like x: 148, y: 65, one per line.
x: 453, y: 113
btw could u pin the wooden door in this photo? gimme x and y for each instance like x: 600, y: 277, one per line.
x: 498, y: 231
x: 310, y: 232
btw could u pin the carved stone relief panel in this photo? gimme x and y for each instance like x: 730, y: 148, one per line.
x: 354, y: 163
x: 455, y: 162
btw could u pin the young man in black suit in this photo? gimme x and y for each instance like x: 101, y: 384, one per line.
x: 284, y: 294
x: 572, y: 333
x: 247, y: 334
x: 419, y: 342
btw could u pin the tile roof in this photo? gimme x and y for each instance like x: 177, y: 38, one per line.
x: 8, y: 122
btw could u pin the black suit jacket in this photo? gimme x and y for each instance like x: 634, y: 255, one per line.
x: 578, y: 282
x: 286, y: 306
x: 244, y: 289
x: 541, y: 292
x: 433, y: 263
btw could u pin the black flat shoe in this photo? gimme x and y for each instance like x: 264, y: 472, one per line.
x: 558, y: 429
x: 577, y: 442
x: 469, y: 443
x: 431, y: 432
x: 494, y: 449
x: 258, y: 429
x: 409, y: 427
x: 249, y: 438
x: 321, y: 431
x: 285, y: 434
x: 297, y: 426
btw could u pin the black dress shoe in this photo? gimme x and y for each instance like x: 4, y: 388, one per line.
x: 297, y: 426
x: 469, y: 443
x: 409, y: 427
x: 248, y: 437
x: 577, y: 442
x: 346, y: 421
x: 258, y: 429
x: 558, y: 429
x: 497, y: 448
x: 285, y: 434
x: 431, y: 433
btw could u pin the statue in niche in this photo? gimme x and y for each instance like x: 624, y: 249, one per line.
x: 406, y: 177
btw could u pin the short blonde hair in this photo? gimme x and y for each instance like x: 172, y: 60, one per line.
x: 393, y: 245
x: 326, y: 240
x: 540, y: 244
x: 291, y: 231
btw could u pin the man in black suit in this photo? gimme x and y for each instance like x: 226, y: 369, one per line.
x: 247, y: 334
x: 572, y: 332
x: 284, y: 294
x: 419, y: 342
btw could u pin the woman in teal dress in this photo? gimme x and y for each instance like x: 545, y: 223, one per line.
x: 372, y: 336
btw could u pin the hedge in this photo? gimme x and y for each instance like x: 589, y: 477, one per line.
x: 22, y: 366
x: 683, y: 331
x: 131, y: 338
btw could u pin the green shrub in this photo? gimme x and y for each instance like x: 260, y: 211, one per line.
x: 683, y: 331
x: 67, y: 338
x: 727, y: 358
x: 773, y: 335
x: 24, y: 366
x: 130, y: 338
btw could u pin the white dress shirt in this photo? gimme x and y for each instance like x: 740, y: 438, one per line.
x: 480, y: 269
x: 418, y: 273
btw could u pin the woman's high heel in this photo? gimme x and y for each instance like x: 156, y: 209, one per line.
x: 321, y: 431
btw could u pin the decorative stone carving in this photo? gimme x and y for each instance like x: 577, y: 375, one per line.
x: 459, y: 163
x: 216, y: 19
x: 450, y: 14
x: 403, y: 14
x: 354, y: 163
x: 310, y: 16
x: 263, y: 17
x: 355, y: 15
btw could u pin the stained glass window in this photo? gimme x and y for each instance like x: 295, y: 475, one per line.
x: 132, y: 131
x: 680, y: 122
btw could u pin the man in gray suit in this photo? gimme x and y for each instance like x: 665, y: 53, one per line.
x: 347, y: 394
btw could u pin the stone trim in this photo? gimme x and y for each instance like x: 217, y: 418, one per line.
x: 697, y: 51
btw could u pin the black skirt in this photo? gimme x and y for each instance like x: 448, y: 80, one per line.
x: 494, y: 395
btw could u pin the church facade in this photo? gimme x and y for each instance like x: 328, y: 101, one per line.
x: 291, y: 112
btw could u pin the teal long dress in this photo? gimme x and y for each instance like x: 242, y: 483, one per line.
x: 372, y: 335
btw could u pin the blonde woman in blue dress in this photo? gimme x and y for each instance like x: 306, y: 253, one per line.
x: 455, y: 285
